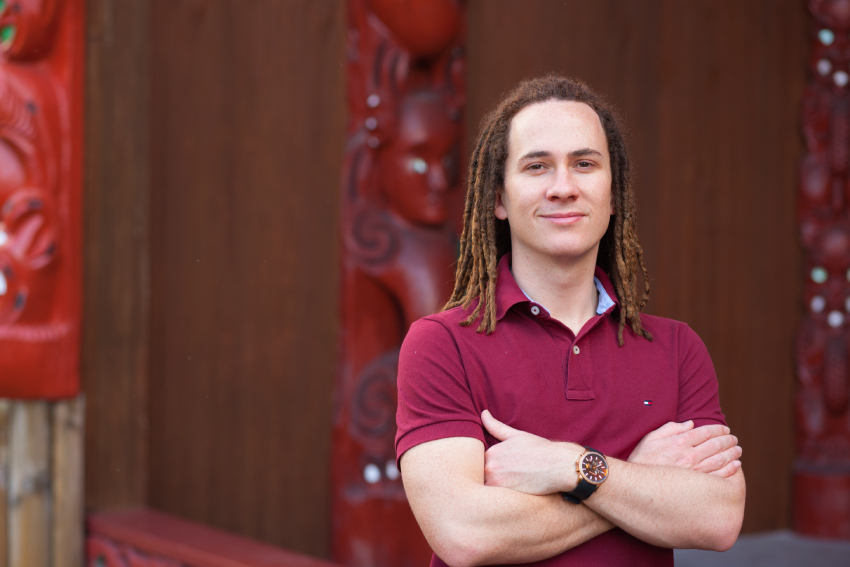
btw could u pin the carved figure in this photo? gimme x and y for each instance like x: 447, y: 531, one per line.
x: 399, y: 218
x: 823, y: 394
x: 32, y: 25
x: 40, y: 184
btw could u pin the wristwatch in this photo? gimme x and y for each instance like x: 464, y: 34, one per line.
x: 592, y: 470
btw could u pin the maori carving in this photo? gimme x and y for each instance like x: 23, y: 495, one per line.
x: 102, y: 552
x: 822, y: 471
x: 40, y: 186
x: 400, y: 218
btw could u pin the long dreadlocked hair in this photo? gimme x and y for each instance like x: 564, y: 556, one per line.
x: 486, y: 239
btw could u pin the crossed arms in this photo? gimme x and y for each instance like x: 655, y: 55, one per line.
x: 681, y: 487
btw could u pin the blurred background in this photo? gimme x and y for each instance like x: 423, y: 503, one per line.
x: 221, y: 299
x: 215, y: 141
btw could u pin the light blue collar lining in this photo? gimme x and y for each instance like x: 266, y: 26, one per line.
x: 605, y: 301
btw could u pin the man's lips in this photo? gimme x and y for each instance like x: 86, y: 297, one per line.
x: 564, y: 218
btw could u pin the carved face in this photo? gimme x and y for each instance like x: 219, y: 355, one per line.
x: 419, y: 166
x: 26, y: 27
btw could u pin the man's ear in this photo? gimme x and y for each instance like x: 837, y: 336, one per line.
x: 500, y: 211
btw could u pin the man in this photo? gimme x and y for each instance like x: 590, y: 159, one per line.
x: 562, y: 374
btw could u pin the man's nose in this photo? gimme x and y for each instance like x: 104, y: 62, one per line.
x: 563, y: 186
x: 437, y: 178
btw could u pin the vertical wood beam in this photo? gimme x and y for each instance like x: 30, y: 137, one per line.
x: 67, y: 422
x: 117, y: 264
x: 29, y: 487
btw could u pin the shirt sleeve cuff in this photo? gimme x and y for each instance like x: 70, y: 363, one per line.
x: 434, y: 431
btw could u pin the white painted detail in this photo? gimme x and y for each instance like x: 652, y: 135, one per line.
x: 371, y: 473
x: 835, y: 319
x: 373, y: 101
x: 841, y: 78
x: 826, y: 36
x: 371, y: 123
x: 419, y: 165
x: 824, y: 67
x: 391, y: 470
x: 818, y: 303
x: 819, y: 275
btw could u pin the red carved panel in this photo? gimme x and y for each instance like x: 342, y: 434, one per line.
x: 148, y: 538
x: 41, y: 56
x: 400, y: 211
x: 822, y: 471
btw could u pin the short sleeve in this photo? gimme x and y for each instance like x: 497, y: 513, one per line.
x: 699, y: 395
x: 434, y: 399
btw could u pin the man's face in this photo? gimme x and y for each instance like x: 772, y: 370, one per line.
x: 557, y: 193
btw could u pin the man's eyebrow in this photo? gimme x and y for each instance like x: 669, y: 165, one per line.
x: 573, y: 154
x: 585, y: 152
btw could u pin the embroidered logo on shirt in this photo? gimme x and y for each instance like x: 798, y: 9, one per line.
x: 647, y: 402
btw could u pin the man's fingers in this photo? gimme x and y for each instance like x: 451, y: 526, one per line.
x: 670, y: 429
x: 496, y: 428
x: 714, y: 446
x: 719, y: 460
x: 702, y: 434
x: 728, y: 470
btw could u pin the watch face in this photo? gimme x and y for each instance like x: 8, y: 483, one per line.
x: 594, y: 468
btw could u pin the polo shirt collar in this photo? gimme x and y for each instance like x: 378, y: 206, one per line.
x: 508, y: 293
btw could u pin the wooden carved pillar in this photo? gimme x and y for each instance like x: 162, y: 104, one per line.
x: 822, y: 469
x: 40, y: 187
x: 400, y: 212
x: 41, y: 77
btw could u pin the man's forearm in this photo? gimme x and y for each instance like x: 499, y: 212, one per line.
x: 493, y: 525
x: 672, y: 506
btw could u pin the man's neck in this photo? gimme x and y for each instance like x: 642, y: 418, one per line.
x: 564, y: 287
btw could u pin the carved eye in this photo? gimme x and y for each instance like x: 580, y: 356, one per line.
x: 419, y: 165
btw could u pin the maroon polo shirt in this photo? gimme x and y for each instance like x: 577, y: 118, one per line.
x: 536, y: 375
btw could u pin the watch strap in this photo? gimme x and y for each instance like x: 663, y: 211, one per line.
x: 583, y: 489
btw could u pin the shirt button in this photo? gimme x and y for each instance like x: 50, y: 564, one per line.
x: 576, y: 350
x: 535, y: 310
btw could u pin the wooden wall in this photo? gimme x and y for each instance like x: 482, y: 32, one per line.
x: 116, y: 258
x: 215, y: 134
x: 247, y: 129
x: 711, y: 91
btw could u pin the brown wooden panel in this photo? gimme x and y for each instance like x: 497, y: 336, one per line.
x: 116, y: 264
x: 710, y: 89
x: 248, y: 129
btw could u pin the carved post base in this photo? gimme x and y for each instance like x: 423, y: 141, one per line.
x: 822, y: 503
x: 41, y: 483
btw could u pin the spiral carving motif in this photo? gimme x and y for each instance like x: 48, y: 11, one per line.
x: 374, y: 239
x: 374, y: 402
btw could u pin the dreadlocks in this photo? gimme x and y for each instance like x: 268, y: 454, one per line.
x: 485, y: 239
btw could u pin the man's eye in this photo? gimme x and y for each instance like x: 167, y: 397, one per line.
x: 536, y: 166
x: 585, y: 164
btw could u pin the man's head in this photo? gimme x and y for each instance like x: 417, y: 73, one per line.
x: 533, y: 115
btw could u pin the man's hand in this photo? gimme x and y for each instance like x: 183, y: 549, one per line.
x: 528, y: 463
x: 709, y: 449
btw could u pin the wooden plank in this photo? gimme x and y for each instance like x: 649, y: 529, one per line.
x: 68, y: 426
x: 29, y: 490
x: 244, y: 310
x: 5, y: 410
x: 116, y: 261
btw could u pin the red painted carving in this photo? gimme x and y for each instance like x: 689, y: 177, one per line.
x: 40, y: 188
x: 822, y: 470
x: 400, y: 214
